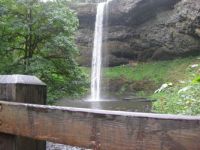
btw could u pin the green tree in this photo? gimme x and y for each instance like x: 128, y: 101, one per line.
x: 38, y: 38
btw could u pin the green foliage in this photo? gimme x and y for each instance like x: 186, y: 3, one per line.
x: 183, y: 97
x: 144, y: 78
x: 196, y: 80
x: 158, y: 71
x: 38, y: 38
x: 176, y: 102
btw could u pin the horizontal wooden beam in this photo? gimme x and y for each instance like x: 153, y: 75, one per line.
x: 98, y: 129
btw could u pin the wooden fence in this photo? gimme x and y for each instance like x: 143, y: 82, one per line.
x: 98, y: 129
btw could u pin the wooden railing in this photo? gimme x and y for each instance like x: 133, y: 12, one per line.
x: 98, y: 129
x: 93, y: 129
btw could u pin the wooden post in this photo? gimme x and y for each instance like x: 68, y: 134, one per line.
x: 24, y: 89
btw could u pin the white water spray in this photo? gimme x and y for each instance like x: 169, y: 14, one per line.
x: 97, y: 53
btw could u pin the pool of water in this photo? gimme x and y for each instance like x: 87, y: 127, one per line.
x: 136, y: 105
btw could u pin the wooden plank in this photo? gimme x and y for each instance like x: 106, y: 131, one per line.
x: 25, y: 89
x: 98, y: 129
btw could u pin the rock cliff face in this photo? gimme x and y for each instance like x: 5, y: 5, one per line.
x: 142, y: 30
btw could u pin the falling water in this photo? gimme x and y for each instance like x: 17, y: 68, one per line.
x: 97, y: 53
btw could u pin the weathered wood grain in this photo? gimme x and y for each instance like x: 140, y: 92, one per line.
x: 27, y: 89
x: 105, y: 130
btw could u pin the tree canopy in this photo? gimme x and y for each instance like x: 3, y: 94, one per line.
x: 37, y: 38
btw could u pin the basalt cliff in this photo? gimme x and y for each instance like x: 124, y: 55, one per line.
x: 141, y: 30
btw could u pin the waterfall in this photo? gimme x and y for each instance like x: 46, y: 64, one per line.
x: 97, y: 52
x: 96, y: 57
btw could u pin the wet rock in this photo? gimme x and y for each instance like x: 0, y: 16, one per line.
x: 86, y: 14
x: 143, y: 30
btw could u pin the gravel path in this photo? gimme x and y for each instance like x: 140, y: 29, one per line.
x: 53, y: 146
